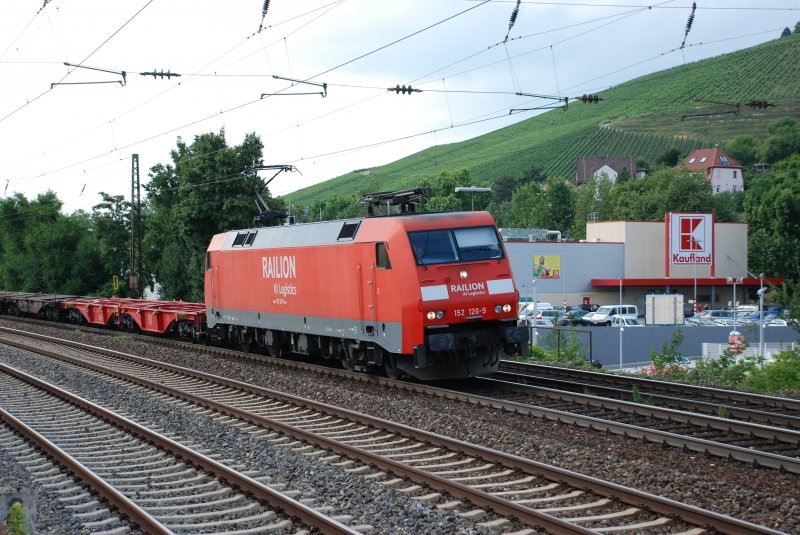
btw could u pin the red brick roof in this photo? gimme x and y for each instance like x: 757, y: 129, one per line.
x: 706, y: 159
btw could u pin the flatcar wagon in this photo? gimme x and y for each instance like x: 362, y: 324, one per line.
x: 428, y: 295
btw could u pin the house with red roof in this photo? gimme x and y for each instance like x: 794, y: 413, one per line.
x: 724, y: 173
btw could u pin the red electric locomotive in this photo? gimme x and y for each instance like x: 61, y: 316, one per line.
x: 428, y: 295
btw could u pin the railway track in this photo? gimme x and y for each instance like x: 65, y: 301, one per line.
x: 721, y: 436
x: 496, y: 489
x: 156, y: 483
x: 762, y: 445
x: 757, y: 408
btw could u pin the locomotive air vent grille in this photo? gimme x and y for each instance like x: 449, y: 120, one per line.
x: 239, y: 239
x: 244, y: 239
x: 348, y: 231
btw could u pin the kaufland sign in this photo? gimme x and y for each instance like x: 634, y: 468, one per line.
x: 691, y: 238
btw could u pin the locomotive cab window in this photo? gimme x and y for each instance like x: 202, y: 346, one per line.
x: 478, y: 243
x: 467, y: 244
x: 382, y: 256
x: 208, y: 261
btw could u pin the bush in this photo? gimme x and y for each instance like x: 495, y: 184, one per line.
x: 779, y: 377
x: 17, y: 521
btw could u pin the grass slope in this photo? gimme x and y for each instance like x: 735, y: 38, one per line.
x: 643, y: 117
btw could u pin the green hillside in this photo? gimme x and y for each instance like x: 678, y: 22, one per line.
x: 643, y: 117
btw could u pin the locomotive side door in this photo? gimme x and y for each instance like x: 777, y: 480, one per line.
x: 213, y: 274
x: 367, y: 302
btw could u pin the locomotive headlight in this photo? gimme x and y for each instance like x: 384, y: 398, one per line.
x: 463, y: 274
x: 506, y: 308
x: 431, y: 315
x: 439, y: 314
x: 497, y: 309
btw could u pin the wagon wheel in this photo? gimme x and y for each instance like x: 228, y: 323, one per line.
x: 390, y: 366
x: 274, y: 351
x: 247, y: 344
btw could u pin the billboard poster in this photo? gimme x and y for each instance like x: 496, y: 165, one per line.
x: 691, y: 239
x: 546, y: 267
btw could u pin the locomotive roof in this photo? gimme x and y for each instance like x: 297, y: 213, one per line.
x: 343, y: 230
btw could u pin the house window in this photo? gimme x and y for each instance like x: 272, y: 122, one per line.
x: 692, y: 160
x: 734, y: 174
x: 703, y: 159
x: 734, y: 189
x: 717, y: 189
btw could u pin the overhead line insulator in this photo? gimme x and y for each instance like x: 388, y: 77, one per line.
x: 404, y: 89
x: 759, y: 104
x: 160, y: 74
x: 590, y: 99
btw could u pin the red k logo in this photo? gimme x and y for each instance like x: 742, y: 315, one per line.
x: 692, y: 234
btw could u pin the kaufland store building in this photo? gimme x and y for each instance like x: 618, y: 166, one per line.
x: 688, y: 254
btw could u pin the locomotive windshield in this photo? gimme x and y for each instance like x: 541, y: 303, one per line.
x: 455, y: 245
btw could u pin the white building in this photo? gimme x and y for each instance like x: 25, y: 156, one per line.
x: 724, y: 173
x: 689, y: 254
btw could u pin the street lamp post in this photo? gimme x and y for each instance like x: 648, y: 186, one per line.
x: 621, y: 330
x: 473, y: 190
x: 734, y: 281
x: 761, y: 315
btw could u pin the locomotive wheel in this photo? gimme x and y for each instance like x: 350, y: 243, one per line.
x: 274, y: 351
x: 247, y: 345
x: 390, y: 366
x: 348, y: 361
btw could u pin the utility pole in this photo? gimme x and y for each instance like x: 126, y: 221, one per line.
x: 135, y: 268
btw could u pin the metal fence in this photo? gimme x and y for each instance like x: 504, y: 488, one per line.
x: 609, y: 346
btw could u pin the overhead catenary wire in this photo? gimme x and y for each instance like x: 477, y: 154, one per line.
x: 92, y: 53
x: 452, y: 91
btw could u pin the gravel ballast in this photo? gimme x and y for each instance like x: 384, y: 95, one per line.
x: 759, y: 495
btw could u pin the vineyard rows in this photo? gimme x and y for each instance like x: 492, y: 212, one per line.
x: 643, y: 117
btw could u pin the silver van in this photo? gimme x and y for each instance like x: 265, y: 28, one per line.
x: 603, y: 314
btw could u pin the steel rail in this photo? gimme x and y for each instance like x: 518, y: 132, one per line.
x: 647, y: 385
x: 714, y: 422
x: 128, y: 509
x: 306, y: 515
x: 689, y: 404
x: 690, y: 514
x: 524, y: 514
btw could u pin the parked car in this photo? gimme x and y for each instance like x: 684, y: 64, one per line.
x: 623, y: 321
x: 589, y: 307
x: 605, y: 313
x: 526, y: 314
x: 718, y: 317
x: 575, y: 317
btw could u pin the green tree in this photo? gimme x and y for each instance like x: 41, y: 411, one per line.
x: 786, y: 32
x: 743, y: 149
x: 593, y: 197
x: 782, y: 142
x: 772, y: 208
x: 207, y: 189
x: 670, y: 158
x: 42, y: 250
x: 549, y: 207
x: 665, y: 190
x: 110, y: 224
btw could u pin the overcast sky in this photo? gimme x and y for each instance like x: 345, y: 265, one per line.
x: 77, y: 139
